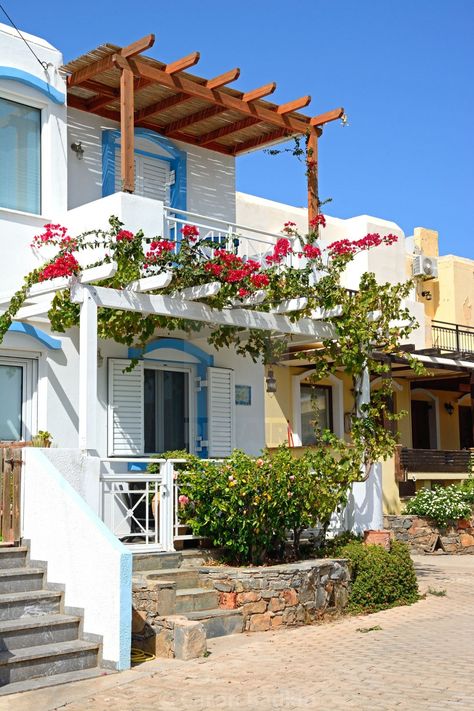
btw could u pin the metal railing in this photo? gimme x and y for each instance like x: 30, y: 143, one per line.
x: 138, y: 506
x: 142, y: 508
x: 246, y: 242
x: 452, y: 337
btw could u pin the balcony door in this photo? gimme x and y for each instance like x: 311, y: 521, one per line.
x: 167, y: 406
x: 421, y: 425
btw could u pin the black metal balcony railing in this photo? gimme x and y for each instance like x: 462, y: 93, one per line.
x: 452, y: 337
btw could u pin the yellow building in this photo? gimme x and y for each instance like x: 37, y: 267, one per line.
x: 437, y: 432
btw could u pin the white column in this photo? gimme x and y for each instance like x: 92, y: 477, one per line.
x: 167, y: 506
x: 366, y: 499
x: 87, y: 372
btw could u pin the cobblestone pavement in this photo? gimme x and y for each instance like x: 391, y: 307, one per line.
x: 420, y: 659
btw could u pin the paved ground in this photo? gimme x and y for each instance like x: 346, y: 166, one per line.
x: 421, y: 659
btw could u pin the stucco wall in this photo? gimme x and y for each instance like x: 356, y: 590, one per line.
x: 81, y: 553
x: 18, y: 228
x: 210, y: 175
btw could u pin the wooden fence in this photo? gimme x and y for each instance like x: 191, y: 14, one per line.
x: 10, y: 491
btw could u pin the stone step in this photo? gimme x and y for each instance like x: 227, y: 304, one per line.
x: 194, y: 599
x: 194, y: 558
x: 47, y: 660
x: 13, y: 557
x: 21, y: 579
x: 37, y: 630
x: 156, y: 561
x: 37, y: 602
x: 43, y: 682
x: 183, y: 577
x: 218, y: 622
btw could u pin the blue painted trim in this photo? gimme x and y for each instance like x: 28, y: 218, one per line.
x: 110, y: 143
x: 44, y: 338
x: 176, y: 344
x: 205, y: 361
x: 35, y: 82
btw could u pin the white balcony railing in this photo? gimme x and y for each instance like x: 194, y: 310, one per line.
x: 246, y: 242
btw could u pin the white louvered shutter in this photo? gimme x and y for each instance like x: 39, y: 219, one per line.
x: 220, y: 408
x: 125, y: 409
x: 152, y: 177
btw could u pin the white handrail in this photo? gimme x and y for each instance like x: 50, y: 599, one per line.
x: 176, y: 215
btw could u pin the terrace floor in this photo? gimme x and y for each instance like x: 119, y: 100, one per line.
x: 421, y: 659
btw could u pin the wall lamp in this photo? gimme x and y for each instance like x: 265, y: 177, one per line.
x: 271, y: 382
x: 78, y: 149
x: 427, y: 295
x: 449, y: 407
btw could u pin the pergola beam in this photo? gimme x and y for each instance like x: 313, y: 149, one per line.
x: 181, y: 64
x: 327, y: 117
x: 295, y: 105
x: 182, y: 309
x: 105, y: 64
x: 127, y: 132
x: 217, y: 97
x: 259, y: 93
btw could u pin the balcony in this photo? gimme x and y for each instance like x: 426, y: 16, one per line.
x: 412, y: 464
x: 453, y: 338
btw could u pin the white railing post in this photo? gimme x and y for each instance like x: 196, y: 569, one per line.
x: 87, y: 372
x: 166, y: 506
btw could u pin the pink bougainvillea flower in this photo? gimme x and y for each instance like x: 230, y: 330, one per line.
x: 124, y: 235
x: 311, y: 251
x: 318, y: 220
x: 183, y: 500
x: 63, y: 266
x: 191, y: 232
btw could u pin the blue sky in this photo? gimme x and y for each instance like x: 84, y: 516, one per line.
x: 402, y: 69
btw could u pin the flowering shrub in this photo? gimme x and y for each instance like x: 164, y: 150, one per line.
x: 444, y: 505
x: 248, y: 505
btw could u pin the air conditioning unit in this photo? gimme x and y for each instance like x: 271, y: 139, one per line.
x: 426, y: 267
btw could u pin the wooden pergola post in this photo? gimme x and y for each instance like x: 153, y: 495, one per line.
x: 127, y: 125
x: 312, y: 173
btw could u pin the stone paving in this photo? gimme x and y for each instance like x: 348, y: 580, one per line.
x: 420, y: 659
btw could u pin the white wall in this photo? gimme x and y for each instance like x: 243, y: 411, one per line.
x: 17, y: 228
x: 81, y: 553
x: 210, y: 175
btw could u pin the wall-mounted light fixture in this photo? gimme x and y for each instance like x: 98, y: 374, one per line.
x: 78, y: 149
x: 427, y: 295
x: 449, y: 407
x: 271, y: 382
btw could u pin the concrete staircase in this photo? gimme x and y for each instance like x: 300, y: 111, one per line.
x: 40, y: 645
x: 193, y: 601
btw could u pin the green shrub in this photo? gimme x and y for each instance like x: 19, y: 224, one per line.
x: 247, y: 505
x: 380, y: 578
x: 467, y: 489
x: 444, y: 505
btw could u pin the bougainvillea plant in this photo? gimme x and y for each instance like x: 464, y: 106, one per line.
x: 369, y: 323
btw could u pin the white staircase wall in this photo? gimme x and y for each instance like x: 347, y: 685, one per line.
x: 81, y: 553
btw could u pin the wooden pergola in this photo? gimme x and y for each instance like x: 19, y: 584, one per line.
x: 120, y: 83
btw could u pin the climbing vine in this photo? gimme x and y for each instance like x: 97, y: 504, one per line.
x: 370, y: 323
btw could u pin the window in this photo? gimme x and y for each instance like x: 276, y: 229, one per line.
x: 20, y: 151
x: 166, y: 402
x: 316, y: 411
x: 17, y: 398
x: 153, y: 177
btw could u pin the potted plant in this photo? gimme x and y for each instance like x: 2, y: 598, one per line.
x: 42, y: 439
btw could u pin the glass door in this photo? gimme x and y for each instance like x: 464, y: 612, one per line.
x: 167, y: 409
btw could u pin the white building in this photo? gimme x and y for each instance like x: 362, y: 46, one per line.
x: 67, y: 149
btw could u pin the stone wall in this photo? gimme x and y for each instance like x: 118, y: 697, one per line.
x: 424, y: 536
x: 290, y: 594
x: 155, y: 627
